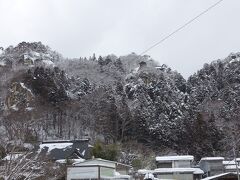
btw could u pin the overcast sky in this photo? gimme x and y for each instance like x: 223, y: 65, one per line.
x: 82, y: 27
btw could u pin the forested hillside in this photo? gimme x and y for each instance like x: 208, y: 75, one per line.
x: 118, y: 99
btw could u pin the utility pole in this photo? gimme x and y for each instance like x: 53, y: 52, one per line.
x: 235, y: 159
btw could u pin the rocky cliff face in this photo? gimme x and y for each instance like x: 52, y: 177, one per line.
x: 19, y: 97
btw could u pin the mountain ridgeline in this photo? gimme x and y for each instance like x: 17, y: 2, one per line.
x: 119, y: 99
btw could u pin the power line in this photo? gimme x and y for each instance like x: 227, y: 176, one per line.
x: 181, y: 27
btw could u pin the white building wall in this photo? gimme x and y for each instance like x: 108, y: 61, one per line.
x: 176, y: 176
x: 82, y: 173
x: 122, y: 171
x: 89, y: 173
x: 181, y: 164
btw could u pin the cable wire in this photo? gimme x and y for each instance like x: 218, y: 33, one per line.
x: 181, y: 27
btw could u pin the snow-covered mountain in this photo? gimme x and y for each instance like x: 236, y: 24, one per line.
x: 118, y: 99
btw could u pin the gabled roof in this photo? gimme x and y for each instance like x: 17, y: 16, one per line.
x: 178, y: 170
x: 212, y: 159
x: 63, y: 149
x: 98, y: 161
x: 175, y: 158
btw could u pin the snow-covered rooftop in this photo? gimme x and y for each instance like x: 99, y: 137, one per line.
x: 61, y: 141
x: 231, y: 167
x: 212, y: 159
x: 175, y: 158
x: 174, y: 170
x: 52, y: 146
x: 62, y: 149
x: 63, y: 161
x: 99, y: 161
x: 232, y: 162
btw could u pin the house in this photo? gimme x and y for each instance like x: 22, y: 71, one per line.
x: 176, y: 167
x: 65, y: 149
x: 178, y: 173
x: 174, y: 161
x: 98, y: 169
x: 212, y: 165
x: 231, y: 165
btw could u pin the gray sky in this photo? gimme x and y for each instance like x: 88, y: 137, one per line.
x: 82, y: 27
